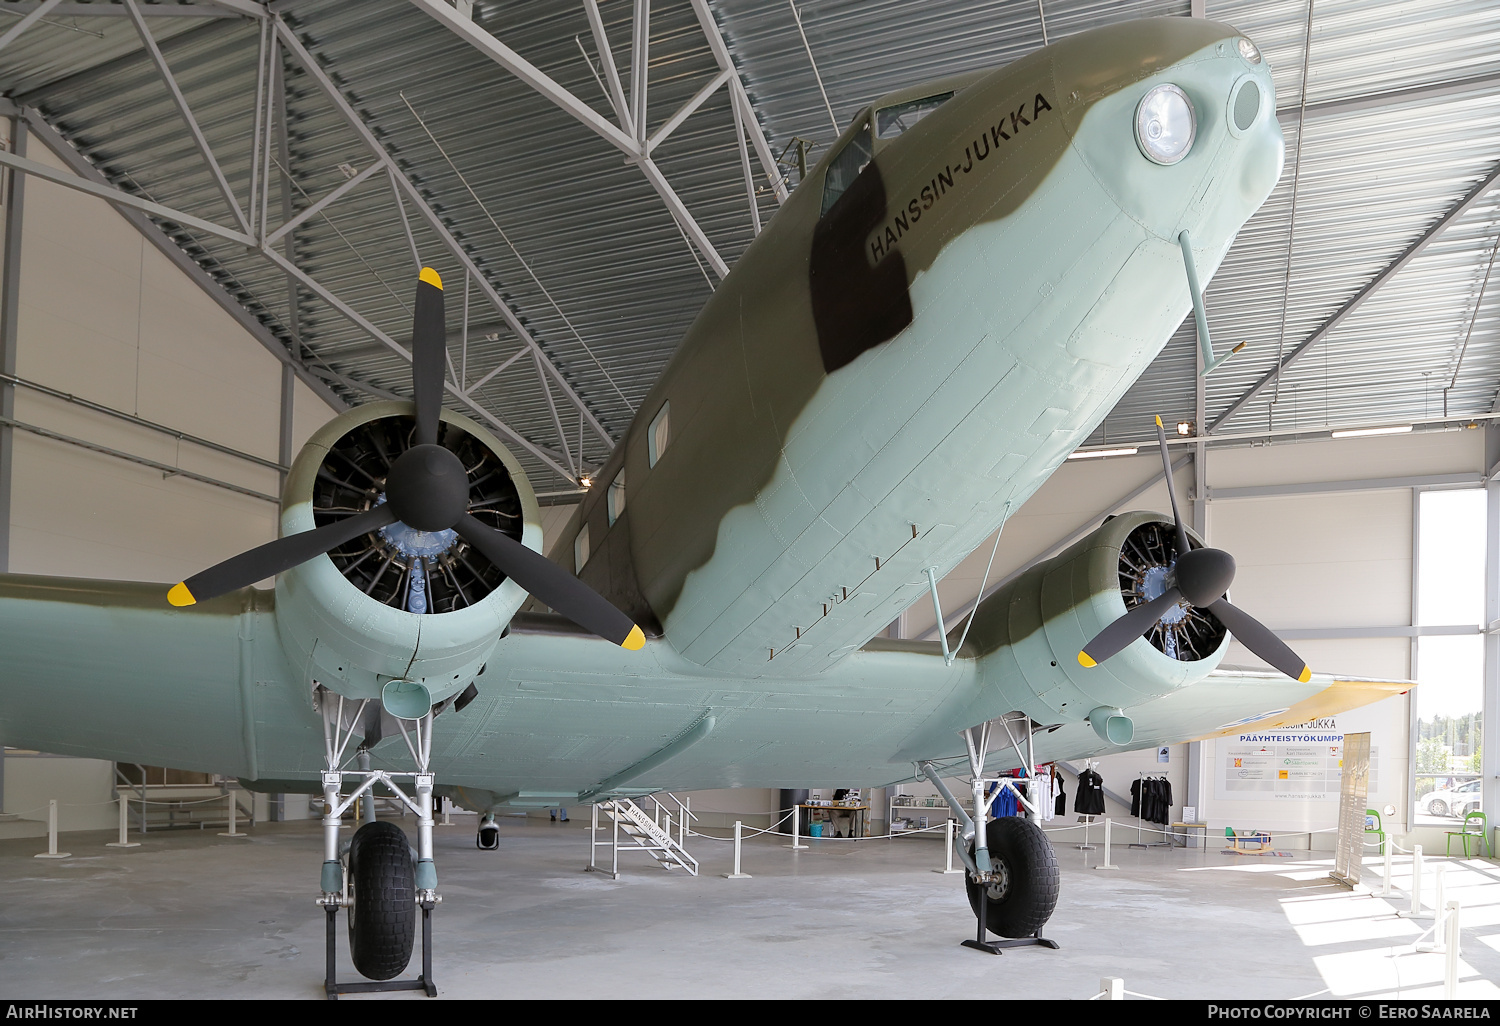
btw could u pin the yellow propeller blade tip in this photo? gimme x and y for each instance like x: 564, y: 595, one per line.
x: 1306, y: 675
x: 1158, y: 419
x: 1084, y: 660
x: 431, y: 277
x: 635, y: 640
x: 180, y: 596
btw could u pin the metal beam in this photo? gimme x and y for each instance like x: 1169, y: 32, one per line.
x: 199, y: 139
x: 1394, y: 267
x: 10, y: 303
x: 1372, y: 484
x: 538, y: 80
x: 640, y: 60
x: 363, y: 323
x: 28, y: 21
x: 720, y: 51
x: 1392, y: 97
x: 318, y: 207
x: 611, y: 73
x: 206, y: 9
x: 169, y: 248
x: 121, y: 199
x: 311, y: 66
x: 686, y: 110
x: 1089, y: 526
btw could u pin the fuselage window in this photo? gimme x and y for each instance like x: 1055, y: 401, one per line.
x: 614, y: 499
x: 659, y: 434
x: 899, y: 117
x: 581, y: 549
x: 846, y: 166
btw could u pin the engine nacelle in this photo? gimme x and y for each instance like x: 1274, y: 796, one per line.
x: 397, y: 604
x: 1027, y: 636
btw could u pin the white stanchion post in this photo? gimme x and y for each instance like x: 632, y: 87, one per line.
x: 124, y: 841
x: 234, y: 810
x: 1106, y: 864
x: 948, y: 850
x: 797, y: 844
x: 1439, y: 871
x: 1416, y: 880
x: 52, y: 852
x: 737, y: 875
x: 1112, y: 988
x: 1385, y: 887
x: 1450, y: 942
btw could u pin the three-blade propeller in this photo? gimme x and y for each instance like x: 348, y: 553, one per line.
x: 427, y: 489
x: 1197, y: 579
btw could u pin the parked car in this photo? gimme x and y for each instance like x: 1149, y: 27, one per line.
x: 1456, y: 801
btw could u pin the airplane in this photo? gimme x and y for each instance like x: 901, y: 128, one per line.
x: 939, y: 314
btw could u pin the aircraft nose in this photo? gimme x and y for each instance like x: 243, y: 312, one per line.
x: 1191, y: 143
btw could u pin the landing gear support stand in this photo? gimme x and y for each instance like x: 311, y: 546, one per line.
x: 978, y: 863
x: 333, y: 988
x: 338, y: 730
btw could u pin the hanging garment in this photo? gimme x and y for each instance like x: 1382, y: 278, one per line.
x: 1090, y: 798
x: 1164, y: 800
x: 1061, y: 803
x: 1135, y: 796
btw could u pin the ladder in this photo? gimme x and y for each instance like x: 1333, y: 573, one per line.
x: 634, y: 829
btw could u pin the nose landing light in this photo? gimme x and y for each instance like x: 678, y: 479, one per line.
x: 1165, y: 124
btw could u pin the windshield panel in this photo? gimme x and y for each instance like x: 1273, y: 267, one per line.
x: 893, y: 120
x: 846, y: 166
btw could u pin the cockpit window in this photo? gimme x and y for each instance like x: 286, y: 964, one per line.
x: 846, y: 166
x: 893, y: 120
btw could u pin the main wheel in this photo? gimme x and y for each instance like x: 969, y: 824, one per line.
x: 1437, y: 807
x: 1023, y: 898
x: 383, y: 915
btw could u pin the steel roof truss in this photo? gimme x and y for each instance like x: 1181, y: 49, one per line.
x: 634, y: 144
x: 154, y: 52
x: 1390, y: 271
x: 28, y: 21
x: 360, y: 321
x: 332, y: 197
x: 311, y: 66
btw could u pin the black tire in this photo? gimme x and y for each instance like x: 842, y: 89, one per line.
x: 1022, y: 902
x: 488, y: 838
x: 383, y: 915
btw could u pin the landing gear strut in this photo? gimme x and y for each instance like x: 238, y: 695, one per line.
x: 382, y: 887
x: 1011, y: 870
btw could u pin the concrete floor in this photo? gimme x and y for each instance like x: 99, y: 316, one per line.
x: 192, y: 914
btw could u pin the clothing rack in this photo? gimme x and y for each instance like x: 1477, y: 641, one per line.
x: 1141, y: 777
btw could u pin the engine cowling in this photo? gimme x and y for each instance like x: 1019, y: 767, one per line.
x: 397, y: 604
x: 1028, y: 634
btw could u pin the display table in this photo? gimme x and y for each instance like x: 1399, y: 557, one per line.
x: 859, y: 818
x: 1183, y: 828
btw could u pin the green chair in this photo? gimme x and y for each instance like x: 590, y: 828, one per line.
x: 1374, y: 829
x: 1482, y: 835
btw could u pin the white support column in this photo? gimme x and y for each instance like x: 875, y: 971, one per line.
x: 1106, y: 864
x: 948, y: 825
x: 234, y: 816
x: 52, y: 852
x: 124, y: 841
x: 737, y: 875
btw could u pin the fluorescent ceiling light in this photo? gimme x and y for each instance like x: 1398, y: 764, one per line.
x: 1357, y: 432
x: 1081, y: 455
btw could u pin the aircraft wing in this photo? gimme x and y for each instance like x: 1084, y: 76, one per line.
x: 107, y: 670
x: 1227, y: 701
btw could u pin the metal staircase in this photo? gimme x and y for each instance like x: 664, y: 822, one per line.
x: 635, y: 829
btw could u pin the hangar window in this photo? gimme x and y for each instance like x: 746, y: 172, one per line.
x: 581, y: 549
x: 659, y: 435
x: 1449, y: 706
x: 899, y: 117
x: 846, y: 165
x: 614, y: 499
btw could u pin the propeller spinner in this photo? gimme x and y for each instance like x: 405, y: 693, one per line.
x: 427, y: 489
x: 1197, y: 579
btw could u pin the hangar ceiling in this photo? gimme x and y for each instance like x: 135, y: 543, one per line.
x: 1362, y: 287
